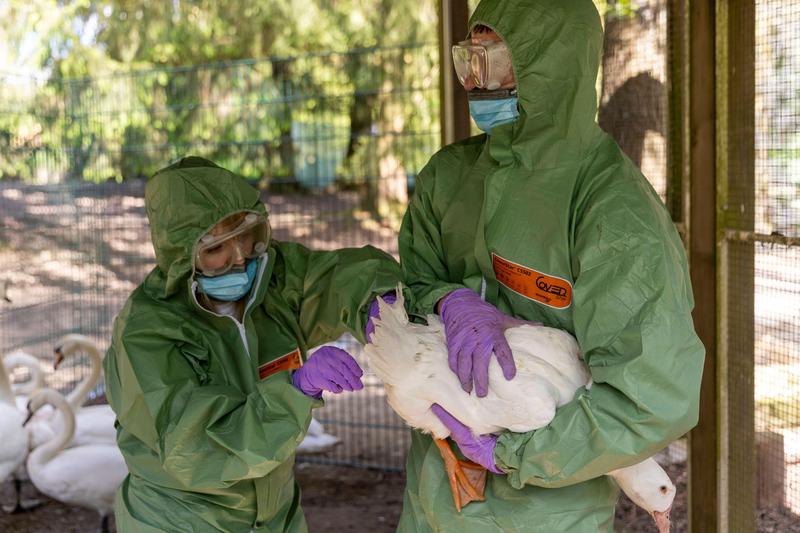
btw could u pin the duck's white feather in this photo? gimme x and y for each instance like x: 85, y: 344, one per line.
x: 411, y: 360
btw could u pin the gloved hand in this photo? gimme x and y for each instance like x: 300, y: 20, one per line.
x: 374, y: 312
x: 477, y: 448
x: 331, y: 369
x: 474, y: 329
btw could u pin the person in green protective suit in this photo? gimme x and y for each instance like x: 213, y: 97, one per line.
x: 198, y: 373
x: 544, y: 218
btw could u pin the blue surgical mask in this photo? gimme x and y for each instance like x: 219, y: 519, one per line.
x: 489, y: 113
x: 231, y: 286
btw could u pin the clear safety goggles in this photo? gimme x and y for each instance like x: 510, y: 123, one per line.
x: 217, y: 254
x: 487, y: 65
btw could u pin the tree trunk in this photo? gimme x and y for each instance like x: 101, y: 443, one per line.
x: 281, y: 74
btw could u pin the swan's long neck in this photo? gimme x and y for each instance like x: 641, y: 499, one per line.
x: 78, y: 395
x: 6, y: 394
x: 43, y: 453
x: 32, y: 364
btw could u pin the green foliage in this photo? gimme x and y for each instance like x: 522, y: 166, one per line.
x: 778, y: 412
x: 259, y: 115
x: 617, y: 8
x: 133, y: 84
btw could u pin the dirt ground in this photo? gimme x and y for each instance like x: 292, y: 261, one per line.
x: 335, y: 499
x: 339, y: 499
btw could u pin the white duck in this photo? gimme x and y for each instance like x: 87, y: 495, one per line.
x: 23, y: 390
x: 316, y: 439
x: 94, y: 423
x: 85, y: 475
x: 411, y: 361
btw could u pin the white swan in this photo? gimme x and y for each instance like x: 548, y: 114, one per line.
x: 94, y: 423
x: 82, y: 475
x: 411, y: 361
x: 23, y: 390
x: 21, y: 394
x: 13, y: 437
x: 70, y: 345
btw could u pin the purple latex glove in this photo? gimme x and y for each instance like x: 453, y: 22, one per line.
x: 474, y: 329
x: 331, y: 369
x: 477, y: 448
x: 374, y: 312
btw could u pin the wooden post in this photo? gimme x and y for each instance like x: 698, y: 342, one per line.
x: 736, y: 210
x: 454, y: 111
x: 721, y: 190
x: 678, y: 117
x: 702, y: 241
x: 771, y: 469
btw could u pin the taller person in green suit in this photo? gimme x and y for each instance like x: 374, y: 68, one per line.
x: 543, y: 218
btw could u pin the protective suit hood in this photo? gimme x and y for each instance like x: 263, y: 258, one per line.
x: 556, y: 46
x: 183, y: 201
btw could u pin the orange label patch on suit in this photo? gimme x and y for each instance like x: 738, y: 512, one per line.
x: 549, y: 290
x: 290, y: 361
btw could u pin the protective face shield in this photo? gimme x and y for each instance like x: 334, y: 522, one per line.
x: 218, y: 253
x: 484, y: 66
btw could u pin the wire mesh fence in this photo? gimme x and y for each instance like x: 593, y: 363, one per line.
x: 333, y: 140
x: 71, y: 253
x: 777, y: 259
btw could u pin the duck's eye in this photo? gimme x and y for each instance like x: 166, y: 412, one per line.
x: 663, y: 489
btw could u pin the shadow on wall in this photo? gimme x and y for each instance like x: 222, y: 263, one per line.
x: 635, y: 108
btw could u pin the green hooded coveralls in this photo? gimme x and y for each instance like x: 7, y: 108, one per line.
x: 551, y: 222
x: 209, y: 445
